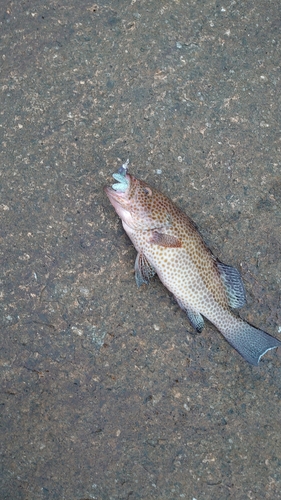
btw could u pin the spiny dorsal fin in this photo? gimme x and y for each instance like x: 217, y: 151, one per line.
x: 233, y: 284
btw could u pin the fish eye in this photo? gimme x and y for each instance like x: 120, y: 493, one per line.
x: 147, y: 191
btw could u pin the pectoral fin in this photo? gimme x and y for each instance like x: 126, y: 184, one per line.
x: 143, y: 270
x: 165, y: 240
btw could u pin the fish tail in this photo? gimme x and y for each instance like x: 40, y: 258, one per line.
x: 249, y: 341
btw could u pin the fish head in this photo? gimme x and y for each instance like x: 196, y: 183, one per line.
x: 137, y: 204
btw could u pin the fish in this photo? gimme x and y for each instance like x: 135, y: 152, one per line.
x: 169, y: 244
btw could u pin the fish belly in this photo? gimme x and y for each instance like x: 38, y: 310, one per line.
x: 182, y: 278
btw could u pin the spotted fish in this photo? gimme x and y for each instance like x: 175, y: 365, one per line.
x: 169, y: 245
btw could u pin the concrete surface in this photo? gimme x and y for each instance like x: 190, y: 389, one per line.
x: 106, y: 392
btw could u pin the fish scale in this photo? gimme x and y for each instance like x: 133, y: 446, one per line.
x: 169, y: 245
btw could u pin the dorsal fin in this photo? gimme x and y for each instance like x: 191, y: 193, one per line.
x: 233, y: 284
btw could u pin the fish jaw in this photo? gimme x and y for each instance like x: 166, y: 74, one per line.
x: 121, y: 204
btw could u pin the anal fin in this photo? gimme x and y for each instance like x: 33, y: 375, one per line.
x: 195, y: 318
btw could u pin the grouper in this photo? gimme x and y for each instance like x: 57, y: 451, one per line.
x: 169, y: 245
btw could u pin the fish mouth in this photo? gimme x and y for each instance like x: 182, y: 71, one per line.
x: 119, y: 189
x: 119, y: 194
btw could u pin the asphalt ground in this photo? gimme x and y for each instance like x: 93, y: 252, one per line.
x: 106, y: 391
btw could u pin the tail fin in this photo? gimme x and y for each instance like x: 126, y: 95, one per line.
x: 250, y: 342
